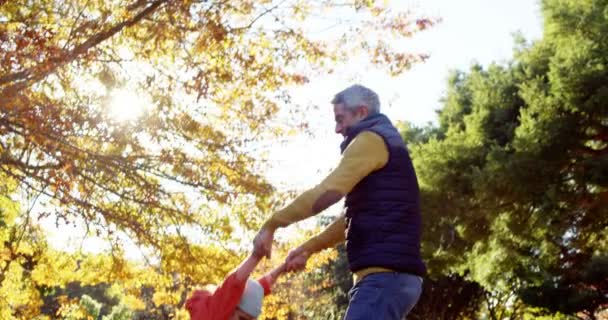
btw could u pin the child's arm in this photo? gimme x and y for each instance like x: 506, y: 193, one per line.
x: 268, y: 280
x: 246, y: 268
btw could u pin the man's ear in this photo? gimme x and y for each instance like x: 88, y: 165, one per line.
x: 363, y: 111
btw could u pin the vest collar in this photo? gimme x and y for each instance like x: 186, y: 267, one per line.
x: 366, y: 123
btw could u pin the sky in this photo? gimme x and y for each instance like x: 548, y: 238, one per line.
x: 470, y: 31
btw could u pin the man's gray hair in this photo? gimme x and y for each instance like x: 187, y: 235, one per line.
x: 358, y: 95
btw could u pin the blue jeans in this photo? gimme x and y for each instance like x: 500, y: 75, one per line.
x: 385, y: 295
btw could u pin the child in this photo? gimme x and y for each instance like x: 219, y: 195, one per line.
x: 238, y: 298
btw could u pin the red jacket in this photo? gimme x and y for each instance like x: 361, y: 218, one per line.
x: 219, y: 305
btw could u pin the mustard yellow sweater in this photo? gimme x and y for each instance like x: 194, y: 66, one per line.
x: 364, y: 155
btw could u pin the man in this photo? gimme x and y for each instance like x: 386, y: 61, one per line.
x: 381, y: 223
x: 238, y: 297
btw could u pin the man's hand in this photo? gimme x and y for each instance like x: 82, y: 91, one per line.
x: 296, y: 259
x: 262, y: 243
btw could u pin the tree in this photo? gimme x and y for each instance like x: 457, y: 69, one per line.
x: 212, y: 74
x: 577, y: 291
x: 180, y: 176
x: 514, y: 183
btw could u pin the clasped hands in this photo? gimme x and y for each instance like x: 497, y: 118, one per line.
x: 296, y: 259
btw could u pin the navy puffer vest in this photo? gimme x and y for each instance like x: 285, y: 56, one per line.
x: 383, y: 210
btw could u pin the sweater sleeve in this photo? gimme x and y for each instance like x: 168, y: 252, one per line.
x: 365, y: 154
x: 331, y: 236
x: 266, y: 285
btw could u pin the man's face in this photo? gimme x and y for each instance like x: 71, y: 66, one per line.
x: 346, y: 118
x: 238, y: 314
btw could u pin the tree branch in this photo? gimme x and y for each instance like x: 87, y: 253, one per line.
x: 40, y: 71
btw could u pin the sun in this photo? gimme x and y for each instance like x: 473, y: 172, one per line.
x: 126, y: 105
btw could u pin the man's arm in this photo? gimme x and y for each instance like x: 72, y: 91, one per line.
x: 331, y: 236
x: 365, y: 154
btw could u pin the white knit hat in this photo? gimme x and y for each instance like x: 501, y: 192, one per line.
x: 251, y: 301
